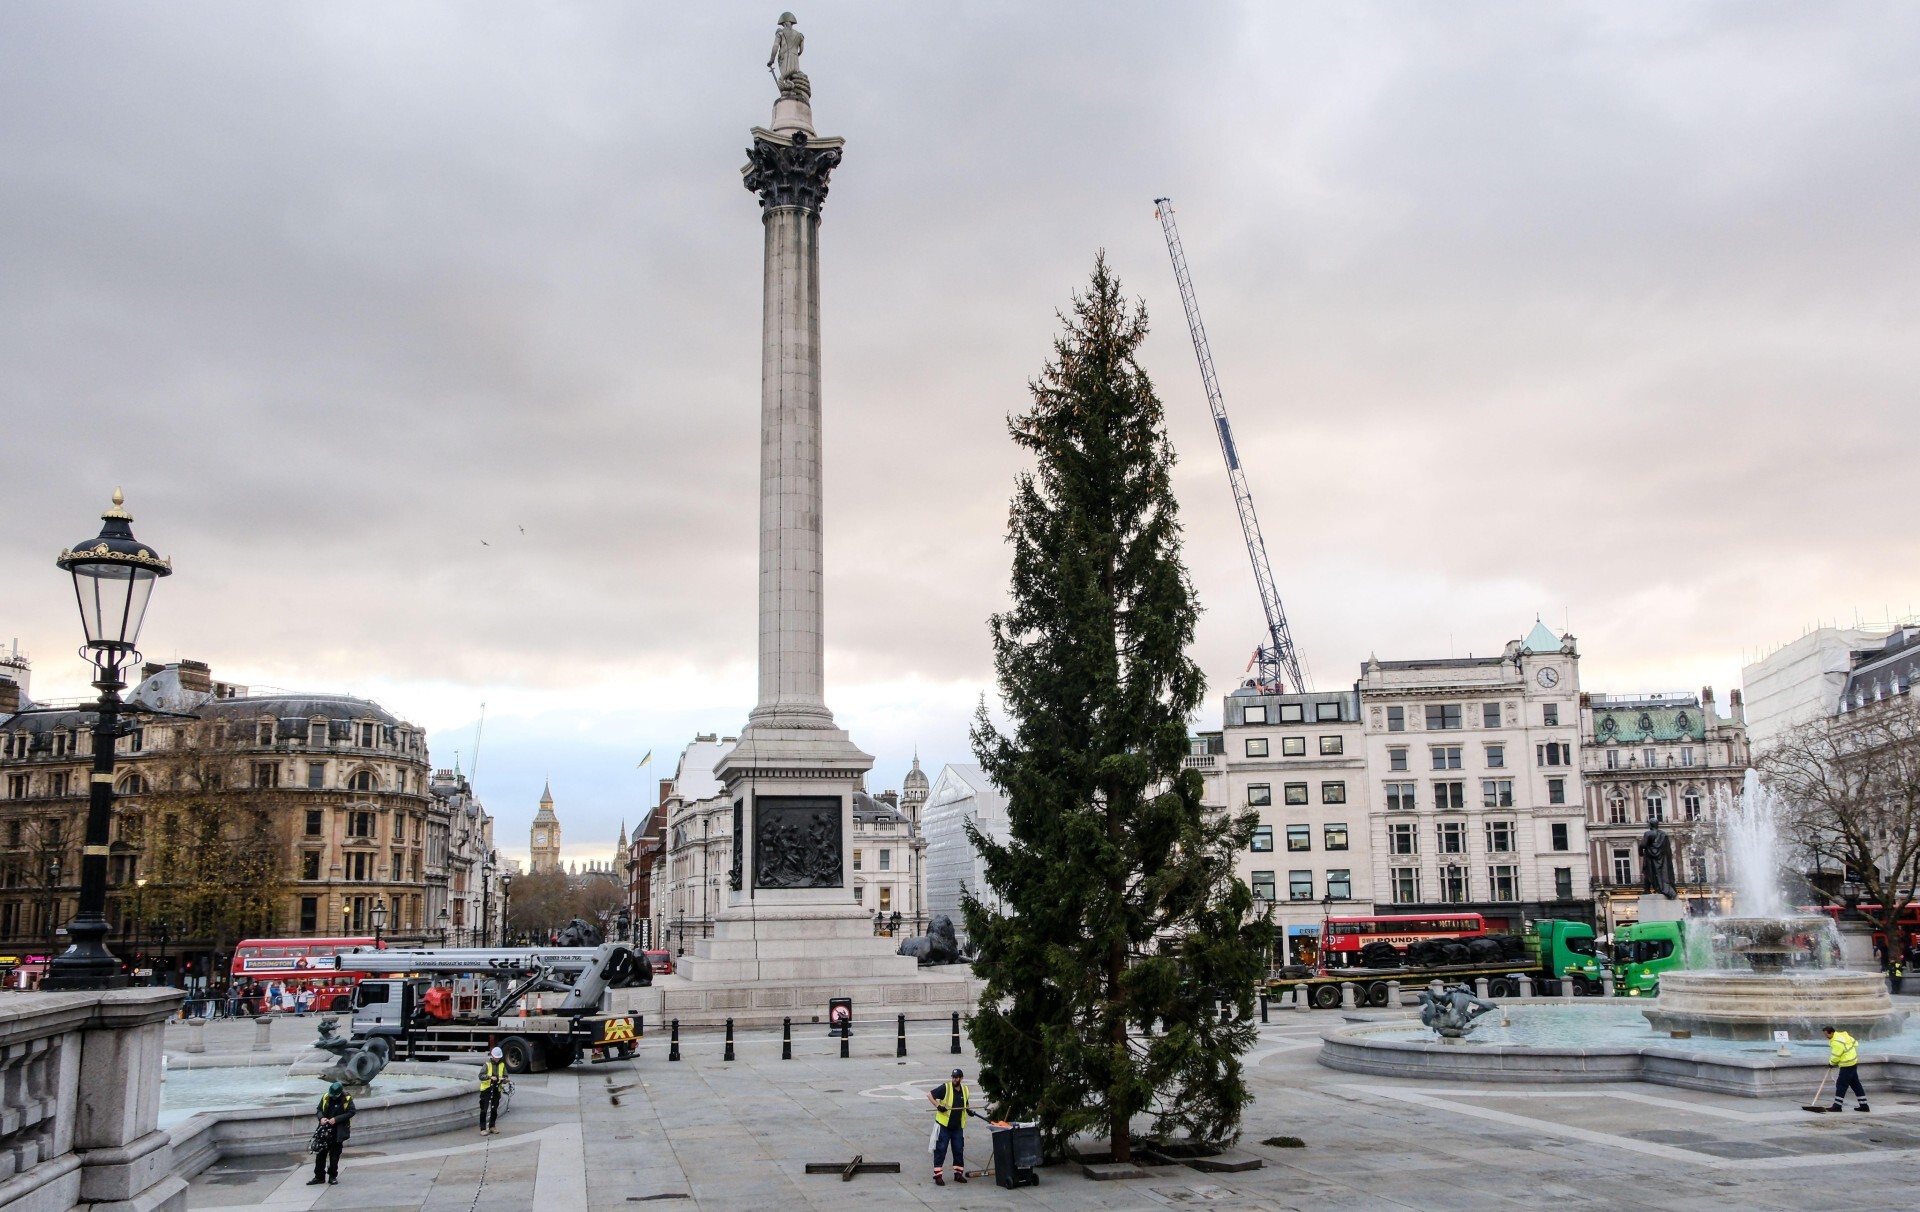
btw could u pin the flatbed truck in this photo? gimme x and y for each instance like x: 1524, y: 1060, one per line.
x: 1555, y: 951
x: 543, y: 1008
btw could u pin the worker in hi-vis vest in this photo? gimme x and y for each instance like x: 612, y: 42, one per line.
x: 952, y: 1102
x: 1843, y: 1054
x: 493, y: 1080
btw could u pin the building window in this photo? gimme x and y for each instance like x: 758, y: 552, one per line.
x: 1299, y: 837
x: 317, y: 734
x: 1263, y: 885
x: 134, y: 784
x: 1335, y: 836
x: 1453, y: 884
x: 359, y: 866
x: 316, y: 775
x: 309, y: 914
x: 1326, y: 711
x: 1262, y: 839
x: 1560, y: 836
x: 1333, y: 793
x: 1496, y: 757
x: 1504, y: 886
x: 1496, y: 793
x: 362, y: 780
x: 1300, y: 885
x: 1556, y: 791
x: 1256, y: 746
x: 1563, y: 883
x: 1686, y: 755
x: 1396, y: 759
x: 1613, y: 759
x: 1400, y: 797
x: 1444, y: 716
x: 1401, y: 839
x: 1656, y: 805
x: 1617, y: 809
x: 310, y: 865
x: 1340, y: 884
x: 366, y: 736
x: 886, y: 860
x: 1690, y: 803
x: 1259, y: 795
x: 1554, y: 753
x: 266, y: 774
x: 857, y: 857
x: 886, y: 898
x: 1550, y: 714
x: 1296, y: 793
x: 1292, y: 713
x: 16, y: 786
x: 1500, y: 837
x: 1255, y: 713
x: 1446, y: 757
x: 313, y: 822
x: 1449, y: 795
x: 1453, y: 837
x: 13, y: 834
x: 1622, y: 866
x: 1406, y: 885
x: 1293, y: 746
x: 1396, y: 719
x: 1332, y: 746
x: 859, y: 894
x: 265, y: 735
x: 1489, y: 715
x: 360, y: 824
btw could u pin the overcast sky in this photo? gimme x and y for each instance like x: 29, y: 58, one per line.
x: 425, y: 339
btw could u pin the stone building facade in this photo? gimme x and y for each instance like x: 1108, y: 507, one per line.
x: 323, y: 804
x: 1670, y: 758
x: 1475, y: 766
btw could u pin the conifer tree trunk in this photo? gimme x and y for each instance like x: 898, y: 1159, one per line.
x: 1114, y: 905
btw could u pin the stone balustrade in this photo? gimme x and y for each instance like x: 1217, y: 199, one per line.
x: 80, y: 1102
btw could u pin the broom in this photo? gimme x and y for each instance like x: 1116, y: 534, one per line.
x: 1815, y: 1106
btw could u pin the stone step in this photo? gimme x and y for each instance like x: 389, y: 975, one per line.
x: 795, y: 967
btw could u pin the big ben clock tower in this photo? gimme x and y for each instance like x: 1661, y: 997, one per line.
x: 545, y: 842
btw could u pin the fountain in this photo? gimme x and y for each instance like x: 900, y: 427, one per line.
x: 1766, y: 970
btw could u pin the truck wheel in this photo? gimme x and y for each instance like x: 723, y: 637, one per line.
x: 341, y: 1004
x: 517, y: 1053
x: 1326, y: 997
x: 560, y: 1054
x: 1498, y: 987
x: 1377, y: 993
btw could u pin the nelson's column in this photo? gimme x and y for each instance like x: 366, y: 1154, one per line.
x: 789, y: 913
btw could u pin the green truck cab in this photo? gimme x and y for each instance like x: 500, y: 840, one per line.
x: 1565, y: 950
x: 1643, y: 950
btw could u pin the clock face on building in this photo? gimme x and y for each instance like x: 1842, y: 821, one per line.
x: 1549, y: 676
x: 539, y: 839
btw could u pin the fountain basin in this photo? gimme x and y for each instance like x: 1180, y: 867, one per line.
x: 1724, y: 1004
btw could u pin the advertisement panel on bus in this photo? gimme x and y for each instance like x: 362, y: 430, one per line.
x: 278, y: 969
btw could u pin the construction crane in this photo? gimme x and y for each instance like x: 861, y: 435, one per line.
x: 1276, y: 660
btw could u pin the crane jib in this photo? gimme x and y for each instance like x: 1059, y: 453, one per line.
x: 1226, y: 444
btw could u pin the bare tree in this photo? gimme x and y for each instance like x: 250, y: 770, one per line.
x: 1851, y: 788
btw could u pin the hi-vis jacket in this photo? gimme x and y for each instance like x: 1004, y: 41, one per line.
x: 1842, y: 1050
x: 952, y: 1107
x: 492, y: 1074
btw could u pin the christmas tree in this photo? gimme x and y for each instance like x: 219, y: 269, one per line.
x: 1117, y: 925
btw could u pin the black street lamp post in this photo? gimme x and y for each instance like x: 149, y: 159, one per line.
x: 443, y: 927
x: 486, y: 900
x: 53, y: 903
x: 379, y: 915
x: 113, y: 575
x: 506, y: 909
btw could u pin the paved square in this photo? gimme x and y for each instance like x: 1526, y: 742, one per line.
x: 708, y: 1134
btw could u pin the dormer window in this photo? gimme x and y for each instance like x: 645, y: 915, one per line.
x: 317, y: 734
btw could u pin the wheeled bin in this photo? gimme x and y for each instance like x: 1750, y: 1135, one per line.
x: 1016, y: 1154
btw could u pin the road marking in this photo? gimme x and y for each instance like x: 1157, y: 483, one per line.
x: 1646, y: 1147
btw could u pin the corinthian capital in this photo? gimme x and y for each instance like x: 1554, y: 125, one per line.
x: 792, y: 174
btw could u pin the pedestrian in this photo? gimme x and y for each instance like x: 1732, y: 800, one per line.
x: 1844, y: 1055
x: 336, y: 1120
x: 493, y: 1081
x: 952, y: 1102
x: 302, y: 1002
x: 1896, y: 973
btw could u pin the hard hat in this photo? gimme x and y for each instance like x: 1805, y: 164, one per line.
x: 496, y: 1054
x: 957, y: 1073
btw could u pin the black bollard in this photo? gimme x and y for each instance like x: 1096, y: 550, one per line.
x: 729, y: 1054
x: 1263, y: 1005
x: 1226, y: 1011
x: 673, y: 1047
x: 955, y: 1049
x: 786, y: 1039
x: 900, y: 1037
x: 843, y: 1043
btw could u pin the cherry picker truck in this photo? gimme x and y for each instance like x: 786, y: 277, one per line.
x: 543, y: 1008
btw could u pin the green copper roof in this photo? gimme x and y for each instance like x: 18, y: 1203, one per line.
x: 1540, y: 639
x: 1631, y: 725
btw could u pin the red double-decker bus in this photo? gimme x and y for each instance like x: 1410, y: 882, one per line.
x: 291, y: 964
x: 1346, y: 936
